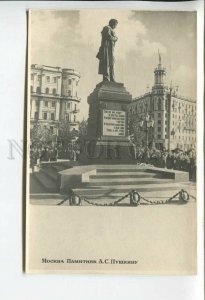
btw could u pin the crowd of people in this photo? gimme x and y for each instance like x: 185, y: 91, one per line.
x: 53, y: 153
x: 177, y: 159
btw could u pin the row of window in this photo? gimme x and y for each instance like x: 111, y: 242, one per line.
x: 180, y: 105
x: 52, y: 116
x: 185, y: 146
x: 184, y: 112
x: 158, y: 92
x: 159, y: 122
x: 182, y: 130
x: 157, y: 102
x: 188, y: 124
x: 53, y: 104
x: 69, y: 105
x: 160, y: 128
x: 159, y: 136
x: 180, y: 137
x: 144, y: 107
x: 48, y: 78
x: 70, y: 80
x: 46, y: 103
x: 193, y: 139
x: 159, y: 116
x: 69, y: 93
x: 186, y: 118
x: 45, y: 116
x: 47, y: 91
x: 150, y: 104
x: 38, y: 90
x: 178, y: 128
x: 68, y: 117
x: 184, y: 138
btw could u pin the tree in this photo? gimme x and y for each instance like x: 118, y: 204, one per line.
x: 83, y: 129
x: 40, y: 135
x: 137, y: 135
x: 66, y: 133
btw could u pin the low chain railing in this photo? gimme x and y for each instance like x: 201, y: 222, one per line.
x: 135, y: 199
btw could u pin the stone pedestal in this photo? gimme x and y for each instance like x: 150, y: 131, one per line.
x: 107, y: 139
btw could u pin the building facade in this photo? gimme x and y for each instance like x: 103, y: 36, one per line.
x: 54, y: 97
x: 173, y: 117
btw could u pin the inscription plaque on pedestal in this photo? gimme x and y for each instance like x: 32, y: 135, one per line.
x: 113, y: 123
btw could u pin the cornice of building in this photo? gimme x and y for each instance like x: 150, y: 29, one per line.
x: 183, y: 98
x: 71, y: 72
x: 44, y: 121
x: 167, y: 92
x: 50, y: 69
x: 53, y: 97
x: 70, y: 98
x: 46, y: 68
x: 42, y: 95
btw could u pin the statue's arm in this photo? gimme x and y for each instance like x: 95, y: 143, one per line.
x: 107, y: 34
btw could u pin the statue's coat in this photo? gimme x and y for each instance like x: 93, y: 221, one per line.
x: 106, y: 51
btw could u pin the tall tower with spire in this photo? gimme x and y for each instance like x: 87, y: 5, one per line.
x: 173, y: 116
x: 159, y: 98
x: 159, y: 76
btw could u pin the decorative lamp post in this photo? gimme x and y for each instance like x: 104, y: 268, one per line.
x: 149, y: 123
x: 172, y: 91
x: 172, y: 133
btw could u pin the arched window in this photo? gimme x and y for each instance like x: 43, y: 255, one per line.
x: 47, y: 90
x: 54, y: 91
x: 74, y: 118
x: 38, y: 90
x: 31, y: 89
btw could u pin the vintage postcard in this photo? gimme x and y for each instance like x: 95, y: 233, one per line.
x: 111, y: 168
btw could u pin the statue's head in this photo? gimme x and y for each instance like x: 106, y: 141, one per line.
x: 113, y: 23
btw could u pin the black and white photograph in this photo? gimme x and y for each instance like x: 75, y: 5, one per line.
x: 102, y: 150
x: 111, y: 122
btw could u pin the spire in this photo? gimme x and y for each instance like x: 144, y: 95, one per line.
x: 160, y: 73
x: 160, y: 59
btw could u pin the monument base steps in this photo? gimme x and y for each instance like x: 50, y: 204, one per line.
x: 104, y: 182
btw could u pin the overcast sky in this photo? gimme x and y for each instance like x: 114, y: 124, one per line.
x: 71, y: 39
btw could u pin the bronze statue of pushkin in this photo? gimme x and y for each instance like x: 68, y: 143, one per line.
x: 106, y: 51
